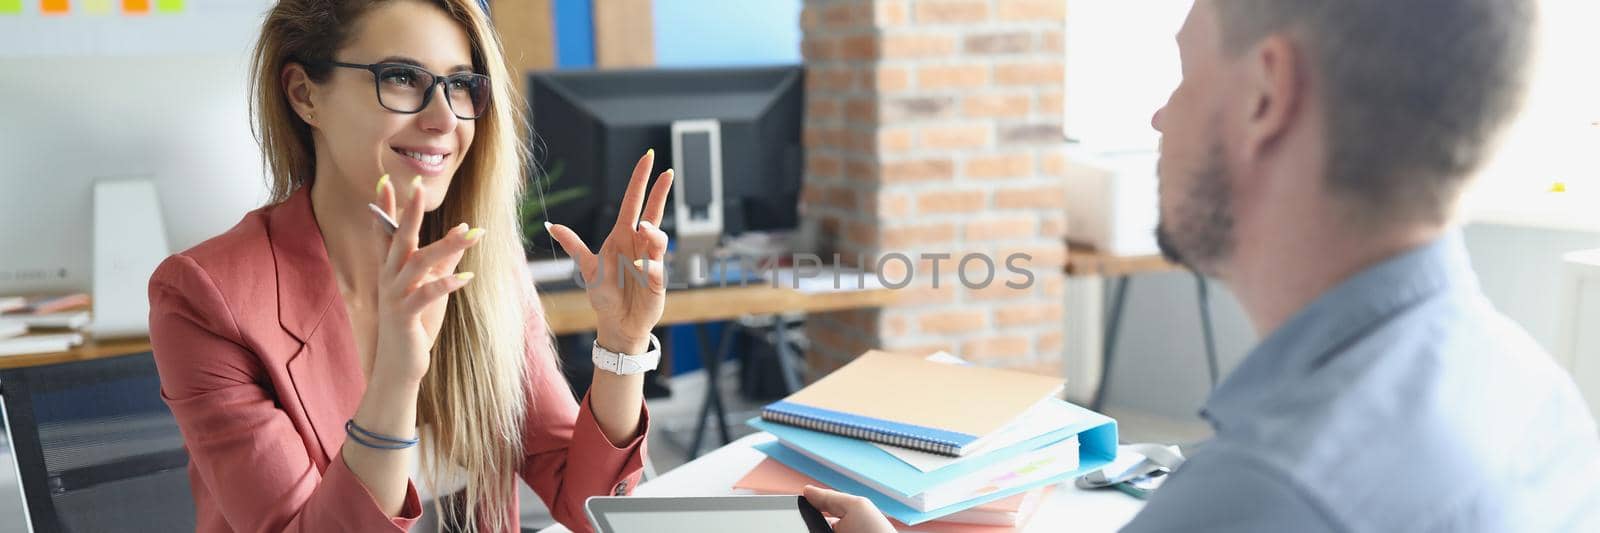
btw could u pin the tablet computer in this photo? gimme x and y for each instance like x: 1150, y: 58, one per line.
x: 718, y: 514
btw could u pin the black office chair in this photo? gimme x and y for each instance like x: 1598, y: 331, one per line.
x: 96, y: 449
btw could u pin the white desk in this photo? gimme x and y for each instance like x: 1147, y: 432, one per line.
x: 1068, y: 509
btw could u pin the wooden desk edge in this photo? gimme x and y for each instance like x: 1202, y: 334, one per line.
x: 90, y: 350
x: 1086, y: 261
x: 568, y: 311
x: 791, y: 300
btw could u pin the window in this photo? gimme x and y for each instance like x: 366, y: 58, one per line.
x: 1122, y: 63
x: 1555, y: 139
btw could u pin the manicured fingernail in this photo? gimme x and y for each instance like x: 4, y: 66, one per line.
x: 381, y: 182
x: 465, y: 276
x: 416, y: 183
x: 547, y: 225
x: 646, y: 224
x: 474, y: 234
x: 669, y: 173
x: 650, y: 153
x: 460, y: 228
x: 638, y: 263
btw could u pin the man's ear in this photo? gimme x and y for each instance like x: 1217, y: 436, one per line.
x: 1277, y: 91
x: 300, y: 91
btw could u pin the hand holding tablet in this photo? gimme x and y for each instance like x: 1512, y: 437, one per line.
x: 719, y: 514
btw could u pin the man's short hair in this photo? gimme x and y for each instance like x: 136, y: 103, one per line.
x: 1415, y: 92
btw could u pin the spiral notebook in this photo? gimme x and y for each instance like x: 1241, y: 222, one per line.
x: 911, y: 402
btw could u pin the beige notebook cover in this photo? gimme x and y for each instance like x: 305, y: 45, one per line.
x: 887, y: 391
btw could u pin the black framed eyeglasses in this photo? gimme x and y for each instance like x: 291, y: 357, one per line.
x: 408, y: 89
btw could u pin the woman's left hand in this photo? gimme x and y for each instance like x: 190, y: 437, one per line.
x: 627, y: 307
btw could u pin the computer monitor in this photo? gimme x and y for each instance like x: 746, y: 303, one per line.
x: 591, y: 127
x: 180, y: 122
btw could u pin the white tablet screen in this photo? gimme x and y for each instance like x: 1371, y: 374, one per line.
x: 778, y: 521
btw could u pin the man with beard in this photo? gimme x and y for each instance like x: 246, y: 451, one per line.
x: 1311, y: 159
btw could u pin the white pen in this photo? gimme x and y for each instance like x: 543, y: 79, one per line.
x: 388, y: 223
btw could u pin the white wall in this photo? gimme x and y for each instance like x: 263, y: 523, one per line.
x: 1160, y: 366
x: 1521, y: 271
x: 87, y: 98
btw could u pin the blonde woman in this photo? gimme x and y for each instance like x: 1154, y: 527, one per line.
x: 323, y: 370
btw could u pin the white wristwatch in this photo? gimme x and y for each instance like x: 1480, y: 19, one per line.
x: 626, y: 364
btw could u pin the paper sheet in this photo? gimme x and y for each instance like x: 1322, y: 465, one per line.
x: 1041, y: 419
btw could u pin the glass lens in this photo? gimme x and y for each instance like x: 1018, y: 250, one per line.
x: 469, y: 94
x: 402, y: 88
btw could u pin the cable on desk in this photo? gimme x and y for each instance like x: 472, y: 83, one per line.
x: 1205, y: 325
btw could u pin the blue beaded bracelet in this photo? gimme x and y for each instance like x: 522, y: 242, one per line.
x: 373, y: 440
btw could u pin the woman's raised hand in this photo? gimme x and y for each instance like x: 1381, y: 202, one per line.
x: 414, y: 284
x: 626, y: 281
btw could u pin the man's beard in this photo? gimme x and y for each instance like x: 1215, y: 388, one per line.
x: 1200, y: 233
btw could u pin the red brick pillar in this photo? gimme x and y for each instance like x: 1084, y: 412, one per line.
x: 934, y: 127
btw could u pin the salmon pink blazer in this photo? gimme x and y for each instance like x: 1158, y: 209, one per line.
x: 258, y: 362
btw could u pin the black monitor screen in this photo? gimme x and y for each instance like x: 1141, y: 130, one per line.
x: 590, y: 127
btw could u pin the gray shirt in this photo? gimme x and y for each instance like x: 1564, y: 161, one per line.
x: 1398, y: 401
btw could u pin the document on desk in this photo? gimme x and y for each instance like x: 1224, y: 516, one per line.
x: 1089, y: 441
x: 1043, y: 418
x: 921, y: 496
x: 893, y: 507
x: 941, y: 408
x: 40, y: 343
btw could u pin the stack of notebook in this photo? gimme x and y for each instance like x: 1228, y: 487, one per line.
x: 40, y: 324
x: 1006, y: 515
x: 936, y: 440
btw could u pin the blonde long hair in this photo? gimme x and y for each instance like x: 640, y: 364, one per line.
x: 473, y: 394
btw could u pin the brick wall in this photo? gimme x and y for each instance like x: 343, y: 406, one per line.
x: 934, y: 127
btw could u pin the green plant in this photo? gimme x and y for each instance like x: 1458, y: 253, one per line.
x: 533, y: 210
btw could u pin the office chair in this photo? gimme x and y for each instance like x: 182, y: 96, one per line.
x: 95, y: 447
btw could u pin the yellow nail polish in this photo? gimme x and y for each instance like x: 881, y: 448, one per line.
x: 381, y: 182
x: 474, y: 233
x: 465, y: 276
x: 416, y: 183
x: 650, y: 153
